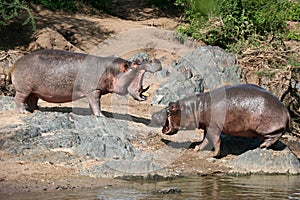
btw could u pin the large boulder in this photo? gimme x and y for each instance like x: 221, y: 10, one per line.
x: 266, y: 161
x: 205, y: 68
x: 62, y: 138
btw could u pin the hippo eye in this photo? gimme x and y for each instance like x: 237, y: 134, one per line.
x: 169, y: 112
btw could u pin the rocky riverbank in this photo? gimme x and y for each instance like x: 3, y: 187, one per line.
x: 125, y: 144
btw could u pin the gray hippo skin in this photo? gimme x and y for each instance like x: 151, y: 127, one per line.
x: 240, y: 110
x: 59, y: 76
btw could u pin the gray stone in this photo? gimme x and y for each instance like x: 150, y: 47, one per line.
x: 173, y: 190
x: 141, y: 56
x: 266, y: 161
x: 206, y: 67
x: 48, y: 136
x: 7, y: 103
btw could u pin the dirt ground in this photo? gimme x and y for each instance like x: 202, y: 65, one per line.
x: 83, y: 33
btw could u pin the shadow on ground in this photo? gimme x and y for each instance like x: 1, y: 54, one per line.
x: 87, y: 112
x: 230, y: 145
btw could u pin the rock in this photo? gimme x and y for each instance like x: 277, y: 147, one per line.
x: 87, y: 136
x: 63, y: 137
x: 142, y: 56
x: 172, y: 190
x: 206, y: 67
x: 266, y: 161
x: 7, y: 103
x: 130, y: 169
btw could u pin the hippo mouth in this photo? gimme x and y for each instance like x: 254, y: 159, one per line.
x: 168, y: 129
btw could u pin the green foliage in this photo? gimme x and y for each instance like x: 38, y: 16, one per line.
x: 228, y: 22
x: 266, y: 73
x: 292, y: 35
x: 294, y: 12
x: 11, y: 9
x: 196, y: 9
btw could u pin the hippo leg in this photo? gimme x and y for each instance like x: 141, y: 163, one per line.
x: 270, y: 139
x: 32, y: 103
x: 212, y: 141
x: 94, y: 101
x: 205, y: 145
x: 20, y: 99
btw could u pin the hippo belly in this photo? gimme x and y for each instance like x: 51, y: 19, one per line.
x: 58, y: 96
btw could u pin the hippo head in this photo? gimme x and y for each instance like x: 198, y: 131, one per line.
x: 180, y: 116
x: 136, y: 89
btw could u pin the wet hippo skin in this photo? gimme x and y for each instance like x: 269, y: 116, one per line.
x: 59, y: 76
x: 240, y: 110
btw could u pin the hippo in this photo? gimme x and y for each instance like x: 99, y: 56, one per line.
x: 58, y: 76
x: 243, y: 110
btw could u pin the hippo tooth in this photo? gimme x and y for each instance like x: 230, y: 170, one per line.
x: 145, y: 94
x: 143, y: 91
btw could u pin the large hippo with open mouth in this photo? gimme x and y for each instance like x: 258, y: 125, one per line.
x: 59, y: 76
x: 240, y: 110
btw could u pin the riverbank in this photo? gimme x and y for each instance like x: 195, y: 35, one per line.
x: 56, y: 150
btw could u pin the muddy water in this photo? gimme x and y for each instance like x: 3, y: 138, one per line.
x: 209, y: 187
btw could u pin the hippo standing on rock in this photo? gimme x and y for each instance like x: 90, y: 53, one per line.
x: 240, y: 110
x: 59, y: 76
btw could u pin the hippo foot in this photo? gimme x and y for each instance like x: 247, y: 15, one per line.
x: 99, y: 114
x: 25, y: 112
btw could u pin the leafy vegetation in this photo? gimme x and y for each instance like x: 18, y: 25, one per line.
x: 11, y: 9
x: 231, y: 23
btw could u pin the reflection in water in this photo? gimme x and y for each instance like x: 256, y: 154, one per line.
x: 208, y: 187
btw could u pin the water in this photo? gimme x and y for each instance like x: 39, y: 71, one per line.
x: 208, y: 187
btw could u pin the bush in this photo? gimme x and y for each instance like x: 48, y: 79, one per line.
x: 294, y: 12
x: 228, y: 22
x: 11, y: 9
